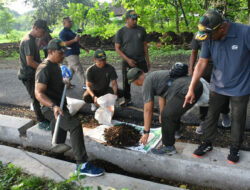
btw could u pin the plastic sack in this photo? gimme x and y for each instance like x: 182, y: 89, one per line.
x: 106, y: 110
x: 74, y: 105
x: 66, y: 73
x: 203, y: 100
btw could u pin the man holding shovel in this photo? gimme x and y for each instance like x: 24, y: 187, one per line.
x: 48, y: 90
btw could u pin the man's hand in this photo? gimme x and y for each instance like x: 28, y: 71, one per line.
x: 191, y: 71
x: 144, y: 139
x: 131, y: 63
x: 57, y: 111
x: 160, y: 118
x: 189, y: 98
x: 95, y: 101
x: 77, y: 38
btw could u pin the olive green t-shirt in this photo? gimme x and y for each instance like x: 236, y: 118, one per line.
x: 28, y: 47
x: 50, y: 74
x: 132, y: 42
x: 101, y: 77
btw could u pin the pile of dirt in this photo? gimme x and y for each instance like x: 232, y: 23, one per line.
x: 122, y: 136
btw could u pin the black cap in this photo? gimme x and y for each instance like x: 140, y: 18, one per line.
x: 131, y: 14
x: 133, y: 74
x: 100, y: 54
x: 209, y: 22
x: 56, y: 44
x: 42, y: 24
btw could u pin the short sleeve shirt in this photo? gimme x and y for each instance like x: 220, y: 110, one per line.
x: 155, y: 84
x: 67, y: 35
x: 101, y: 77
x: 28, y: 47
x: 231, y: 59
x: 50, y: 74
x: 132, y: 42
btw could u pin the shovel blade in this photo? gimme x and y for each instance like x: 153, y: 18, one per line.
x: 60, y: 148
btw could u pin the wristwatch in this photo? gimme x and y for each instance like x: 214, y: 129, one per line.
x: 52, y: 106
x: 146, y: 132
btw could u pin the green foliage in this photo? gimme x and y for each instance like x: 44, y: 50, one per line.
x: 6, y: 21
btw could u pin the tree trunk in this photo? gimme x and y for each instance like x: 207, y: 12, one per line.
x: 184, y: 15
x: 177, y: 17
x: 205, y: 4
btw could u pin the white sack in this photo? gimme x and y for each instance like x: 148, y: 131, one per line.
x: 74, y: 105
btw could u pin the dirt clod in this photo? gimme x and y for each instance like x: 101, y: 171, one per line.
x: 122, y: 136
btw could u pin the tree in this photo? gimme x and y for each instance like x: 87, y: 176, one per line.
x: 6, y: 21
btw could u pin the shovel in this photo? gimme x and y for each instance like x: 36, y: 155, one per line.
x: 59, y: 148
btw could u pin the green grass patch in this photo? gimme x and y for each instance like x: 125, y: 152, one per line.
x: 13, y: 178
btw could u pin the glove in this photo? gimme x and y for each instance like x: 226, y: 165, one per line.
x: 66, y: 73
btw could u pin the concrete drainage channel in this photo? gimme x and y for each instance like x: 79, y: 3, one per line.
x: 211, y: 171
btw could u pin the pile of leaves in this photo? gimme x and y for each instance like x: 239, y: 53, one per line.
x: 122, y: 136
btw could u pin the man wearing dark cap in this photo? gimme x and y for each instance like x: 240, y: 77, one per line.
x: 99, y: 76
x: 131, y: 45
x: 48, y: 90
x: 228, y: 44
x: 30, y: 59
x: 171, y: 87
x: 196, y: 46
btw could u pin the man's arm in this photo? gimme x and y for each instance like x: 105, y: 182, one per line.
x: 131, y: 62
x: 63, y: 37
x: 44, y: 100
x: 192, y: 61
x: 162, y: 103
x: 198, y: 72
x: 114, y: 87
x: 31, y: 62
x: 148, y: 113
x: 146, y: 54
x: 85, y: 49
x: 90, y: 91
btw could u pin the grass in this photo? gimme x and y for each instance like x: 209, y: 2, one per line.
x: 13, y: 178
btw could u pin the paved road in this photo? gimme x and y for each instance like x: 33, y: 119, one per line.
x: 13, y: 92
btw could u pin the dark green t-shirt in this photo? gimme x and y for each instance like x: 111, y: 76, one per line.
x: 28, y: 47
x: 132, y: 42
x: 101, y: 77
x: 50, y: 74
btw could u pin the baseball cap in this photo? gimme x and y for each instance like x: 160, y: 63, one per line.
x: 208, y: 23
x: 56, y: 44
x: 42, y: 24
x: 133, y: 74
x: 100, y: 54
x: 131, y: 14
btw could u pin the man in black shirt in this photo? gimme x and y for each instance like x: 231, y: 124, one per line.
x: 131, y: 45
x: 30, y: 59
x: 99, y: 76
x: 48, y: 90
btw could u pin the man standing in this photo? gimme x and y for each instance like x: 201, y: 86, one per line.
x: 48, y: 90
x: 196, y: 46
x: 228, y: 45
x: 131, y: 45
x: 99, y: 76
x: 72, y: 56
x: 171, y: 90
x: 30, y: 59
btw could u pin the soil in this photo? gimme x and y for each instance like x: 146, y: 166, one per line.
x: 122, y: 136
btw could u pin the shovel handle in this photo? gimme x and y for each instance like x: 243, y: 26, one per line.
x: 55, y: 134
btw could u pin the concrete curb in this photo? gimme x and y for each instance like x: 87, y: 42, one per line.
x: 59, y: 170
x: 210, y: 171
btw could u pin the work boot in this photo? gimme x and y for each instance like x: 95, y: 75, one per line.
x: 126, y: 102
x: 234, y: 155
x: 44, y: 125
x: 169, y: 150
x: 203, y: 149
x: 89, y: 170
x: 225, y: 120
